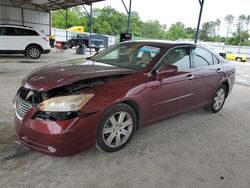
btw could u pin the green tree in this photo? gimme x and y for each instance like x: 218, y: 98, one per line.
x: 74, y: 18
x: 135, y: 25
x: 248, y: 21
x: 217, y: 24
x: 239, y: 38
x: 111, y: 22
x: 229, y: 19
x: 153, y: 29
x: 208, y: 30
x: 241, y: 22
x: 116, y: 20
x: 190, y: 32
x: 176, y: 31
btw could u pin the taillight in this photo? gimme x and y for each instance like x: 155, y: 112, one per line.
x: 46, y: 39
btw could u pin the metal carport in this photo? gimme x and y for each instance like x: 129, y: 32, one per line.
x: 50, y: 5
x: 7, y: 16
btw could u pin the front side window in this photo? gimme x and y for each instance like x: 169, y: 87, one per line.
x: 10, y: 31
x: 202, y: 58
x: 178, y: 57
x: 128, y: 55
x: 2, y: 31
x: 82, y: 36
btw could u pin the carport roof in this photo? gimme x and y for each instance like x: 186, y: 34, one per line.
x: 49, y: 5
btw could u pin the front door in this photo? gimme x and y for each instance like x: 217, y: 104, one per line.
x: 3, y: 39
x: 175, y: 93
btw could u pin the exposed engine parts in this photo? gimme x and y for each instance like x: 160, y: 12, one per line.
x: 36, y: 97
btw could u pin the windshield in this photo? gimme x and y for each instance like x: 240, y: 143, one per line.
x: 128, y: 55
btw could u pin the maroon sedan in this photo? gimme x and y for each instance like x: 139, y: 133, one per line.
x: 64, y: 108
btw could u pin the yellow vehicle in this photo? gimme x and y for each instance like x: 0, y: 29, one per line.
x: 77, y: 29
x: 236, y: 57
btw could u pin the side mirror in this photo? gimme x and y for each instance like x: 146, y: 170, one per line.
x: 166, y: 71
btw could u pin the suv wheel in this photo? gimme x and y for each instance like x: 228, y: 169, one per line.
x: 33, y: 52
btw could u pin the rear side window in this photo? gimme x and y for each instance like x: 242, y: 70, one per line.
x: 2, y: 31
x: 28, y: 32
x: 216, y: 61
x: 202, y: 58
x: 11, y: 31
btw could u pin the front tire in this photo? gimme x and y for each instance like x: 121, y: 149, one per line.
x: 218, y: 99
x: 33, y: 52
x: 116, y: 128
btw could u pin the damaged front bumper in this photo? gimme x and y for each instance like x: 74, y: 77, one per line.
x: 57, y: 138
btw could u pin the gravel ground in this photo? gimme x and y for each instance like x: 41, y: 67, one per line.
x: 195, y: 149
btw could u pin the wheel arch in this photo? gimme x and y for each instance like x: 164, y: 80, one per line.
x: 226, y: 84
x: 34, y: 44
x: 136, y: 108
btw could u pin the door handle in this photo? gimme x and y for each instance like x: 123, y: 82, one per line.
x: 219, y: 70
x: 190, y: 77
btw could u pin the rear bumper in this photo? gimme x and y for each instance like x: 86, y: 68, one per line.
x: 46, y: 51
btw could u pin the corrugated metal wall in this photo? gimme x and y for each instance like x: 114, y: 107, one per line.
x: 21, y: 16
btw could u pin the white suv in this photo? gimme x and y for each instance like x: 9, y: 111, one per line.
x: 23, y: 40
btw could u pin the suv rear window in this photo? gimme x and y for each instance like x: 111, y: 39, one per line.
x: 11, y: 31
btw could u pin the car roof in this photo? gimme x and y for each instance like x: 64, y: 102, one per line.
x: 161, y: 43
x: 17, y: 26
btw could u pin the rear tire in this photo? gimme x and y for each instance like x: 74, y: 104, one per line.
x: 116, y: 128
x: 33, y: 52
x: 97, y: 49
x: 239, y: 59
x: 218, y: 100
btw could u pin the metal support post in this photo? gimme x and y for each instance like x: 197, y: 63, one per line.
x: 128, y: 12
x: 66, y: 17
x: 91, y: 22
x: 129, y: 15
x: 199, y: 21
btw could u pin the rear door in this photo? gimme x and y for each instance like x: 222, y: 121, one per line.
x: 207, y: 72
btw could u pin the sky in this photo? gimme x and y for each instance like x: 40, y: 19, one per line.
x: 186, y: 11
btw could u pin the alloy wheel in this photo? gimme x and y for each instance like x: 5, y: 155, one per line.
x: 117, y: 129
x: 34, y: 52
x: 219, y: 98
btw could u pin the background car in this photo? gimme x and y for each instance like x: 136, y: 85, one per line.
x: 84, y: 39
x: 237, y: 57
x: 23, y: 40
x: 64, y: 108
x: 222, y: 53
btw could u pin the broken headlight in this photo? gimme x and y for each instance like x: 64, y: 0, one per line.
x: 65, y: 103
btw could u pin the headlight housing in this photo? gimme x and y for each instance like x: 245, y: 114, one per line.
x: 65, y: 103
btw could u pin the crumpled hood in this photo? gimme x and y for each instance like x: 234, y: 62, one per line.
x: 62, y: 74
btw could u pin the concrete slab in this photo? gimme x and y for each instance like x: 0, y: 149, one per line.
x: 196, y: 149
x: 53, y: 57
